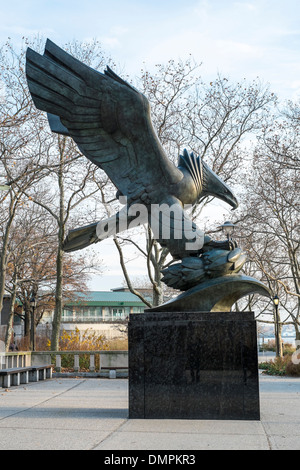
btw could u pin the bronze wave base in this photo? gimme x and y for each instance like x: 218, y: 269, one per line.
x: 214, y: 295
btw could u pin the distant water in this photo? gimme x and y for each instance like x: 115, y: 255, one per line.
x: 285, y: 339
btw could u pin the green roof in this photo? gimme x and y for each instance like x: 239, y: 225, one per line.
x: 107, y: 298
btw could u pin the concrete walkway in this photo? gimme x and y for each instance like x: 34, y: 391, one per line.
x: 91, y: 414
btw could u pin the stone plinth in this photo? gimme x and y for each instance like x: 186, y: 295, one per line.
x: 193, y: 365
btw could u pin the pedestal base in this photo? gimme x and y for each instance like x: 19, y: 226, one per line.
x: 193, y: 365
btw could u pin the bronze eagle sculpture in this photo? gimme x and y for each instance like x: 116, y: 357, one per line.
x: 110, y: 122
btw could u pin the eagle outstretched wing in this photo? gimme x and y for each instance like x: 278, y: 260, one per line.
x: 107, y: 118
x: 110, y: 122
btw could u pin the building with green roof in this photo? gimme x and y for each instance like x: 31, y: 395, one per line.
x: 102, y: 306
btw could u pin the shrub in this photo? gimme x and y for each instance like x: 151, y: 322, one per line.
x: 269, y: 346
x: 293, y: 369
x: 277, y: 366
x: 264, y: 365
x: 118, y: 344
x: 281, y: 366
x: 24, y: 343
x: 288, y: 349
x: 89, y: 340
x: 75, y: 341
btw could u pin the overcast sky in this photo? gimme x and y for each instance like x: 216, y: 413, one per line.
x: 240, y: 39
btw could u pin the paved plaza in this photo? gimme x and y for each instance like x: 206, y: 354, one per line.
x: 92, y: 414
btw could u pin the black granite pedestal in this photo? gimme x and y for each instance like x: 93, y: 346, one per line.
x: 193, y: 365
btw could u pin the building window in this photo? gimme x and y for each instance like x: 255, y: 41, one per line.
x: 137, y: 309
x: 83, y: 314
x: 67, y: 314
x: 118, y: 313
x: 86, y: 313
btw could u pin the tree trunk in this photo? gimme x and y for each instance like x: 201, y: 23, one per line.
x: 158, y: 296
x: 2, y: 277
x: 27, y: 323
x: 59, y: 261
x: 58, y: 302
x: 3, y: 254
x: 10, y: 324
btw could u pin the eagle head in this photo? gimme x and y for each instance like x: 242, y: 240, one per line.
x: 212, y: 185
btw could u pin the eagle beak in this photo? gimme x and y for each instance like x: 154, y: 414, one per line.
x: 214, y: 186
x: 227, y: 196
x: 232, y: 201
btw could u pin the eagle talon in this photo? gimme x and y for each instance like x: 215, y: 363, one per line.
x: 212, y: 264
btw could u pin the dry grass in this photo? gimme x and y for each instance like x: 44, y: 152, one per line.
x: 118, y: 344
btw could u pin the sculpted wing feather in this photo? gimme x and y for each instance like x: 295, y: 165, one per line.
x: 107, y: 118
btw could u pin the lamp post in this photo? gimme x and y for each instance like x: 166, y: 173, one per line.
x: 33, y: 329
x: 278, y: 348
x: 228, y: 229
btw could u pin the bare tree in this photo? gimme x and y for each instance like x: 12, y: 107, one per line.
x: 212, y: 120
x: 31, y: 271
x: 271, y: 223
x: 73, y: 177
x: 45, y: 169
